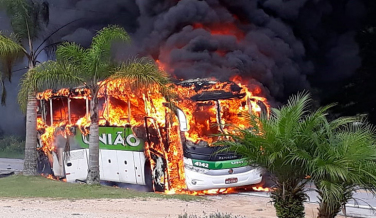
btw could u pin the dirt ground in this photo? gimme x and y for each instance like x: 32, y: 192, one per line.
x: 247, y: 206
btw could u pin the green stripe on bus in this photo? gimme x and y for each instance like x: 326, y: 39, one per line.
x: 216, y: 165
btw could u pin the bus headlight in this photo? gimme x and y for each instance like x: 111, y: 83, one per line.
x: 196, y: 169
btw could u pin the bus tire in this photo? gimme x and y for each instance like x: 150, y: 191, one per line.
x: 148, y: 177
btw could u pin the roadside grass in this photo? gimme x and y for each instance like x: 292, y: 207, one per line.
x: 10, y: 154
x: 12, y: 147
x: 19, y: 186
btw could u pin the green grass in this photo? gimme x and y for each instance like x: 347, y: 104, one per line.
x: 11, y: 147
x: 39, y: 187
x: 11, y: 154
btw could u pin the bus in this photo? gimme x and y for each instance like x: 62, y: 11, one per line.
x: 145, y: 140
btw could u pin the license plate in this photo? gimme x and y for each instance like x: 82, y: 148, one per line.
x: 231, y: 180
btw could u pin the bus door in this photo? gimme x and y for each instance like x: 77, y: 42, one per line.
x: 157, y: 154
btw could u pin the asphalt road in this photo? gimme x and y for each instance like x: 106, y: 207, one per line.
x: 8, y: 165
x: 361, y: 208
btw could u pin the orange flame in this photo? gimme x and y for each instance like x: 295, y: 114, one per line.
x: 120, y: 106
x: 261, y: 189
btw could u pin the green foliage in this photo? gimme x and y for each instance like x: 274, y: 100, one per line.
x: 289, y: 205
x: 212, y: 215
x: 11, y: 146
x: 49, y: 75
x: 140, y: 73
x: 280, y: 143
x: 275, y: 141
x: 344, y: 161
x: 9, y: 46
x: 10, y: 51
x: 338, y: 155
x: 95, y: 63
x: 27, y: 17
x: 74, y: 66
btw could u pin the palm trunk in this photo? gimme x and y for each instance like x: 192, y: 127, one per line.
x: 289, y: 201
x: 30, y: 161
x: 325, y: 210
x: 93, y: 171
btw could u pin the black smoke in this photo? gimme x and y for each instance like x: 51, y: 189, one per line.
x: 283, y: 46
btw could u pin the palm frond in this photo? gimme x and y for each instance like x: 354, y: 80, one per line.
x: 99, y: 54
x: 72, y: 53
x: 142, y: 73
x: 10, y: 52
x: 27, y: 17
x: 49, y: 75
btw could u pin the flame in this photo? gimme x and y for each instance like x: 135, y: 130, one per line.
x: 202, y: 115
x: 261, y: 189
x: 161, y: 66
x: 229, y: 29
x: 120, y: 106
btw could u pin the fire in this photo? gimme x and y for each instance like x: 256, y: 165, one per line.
x: 229, y: 29
x: 121, y: 106
x: 49, y: 176
x: 261, y: 189
x: 203, y: 122
x: 161, y: 66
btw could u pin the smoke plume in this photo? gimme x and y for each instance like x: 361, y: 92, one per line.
x: 280, y: 46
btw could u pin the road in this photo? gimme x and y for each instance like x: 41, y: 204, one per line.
x: 8, y: 165
x: 360, y: 209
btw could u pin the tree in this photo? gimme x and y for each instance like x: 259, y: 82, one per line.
x: 92, y: 67
x: 10, y: 51
x: 343, y: 161
x: 297, y: 145
x: 270, y: 143
x: 28, y: 18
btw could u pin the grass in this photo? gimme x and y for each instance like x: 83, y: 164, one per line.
x: 11, y: 147
x: 19, y: 186
x: 10, y: 154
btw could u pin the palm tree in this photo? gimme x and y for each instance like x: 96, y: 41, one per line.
x: 10, y: 51
x: 294, y: 142
x: 28, y: 18
x: 343, y: 162
x: 276, y: 143
x: 92, y: 67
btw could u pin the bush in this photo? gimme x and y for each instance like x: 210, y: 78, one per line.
x: 213, y: 215
x: 11, y: 146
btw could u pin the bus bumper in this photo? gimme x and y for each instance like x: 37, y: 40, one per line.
x: 197, y: 181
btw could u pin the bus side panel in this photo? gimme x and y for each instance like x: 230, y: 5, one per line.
x: 109, y: 164
x: 101, y: 175
x: 139, y: 160
x: 58, y: 165
x: 76, y: 165
x: 126, y: 166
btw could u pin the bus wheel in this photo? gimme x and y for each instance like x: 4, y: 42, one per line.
x: 148, y: 177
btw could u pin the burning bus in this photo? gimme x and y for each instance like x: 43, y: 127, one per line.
x: 145, y: 140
